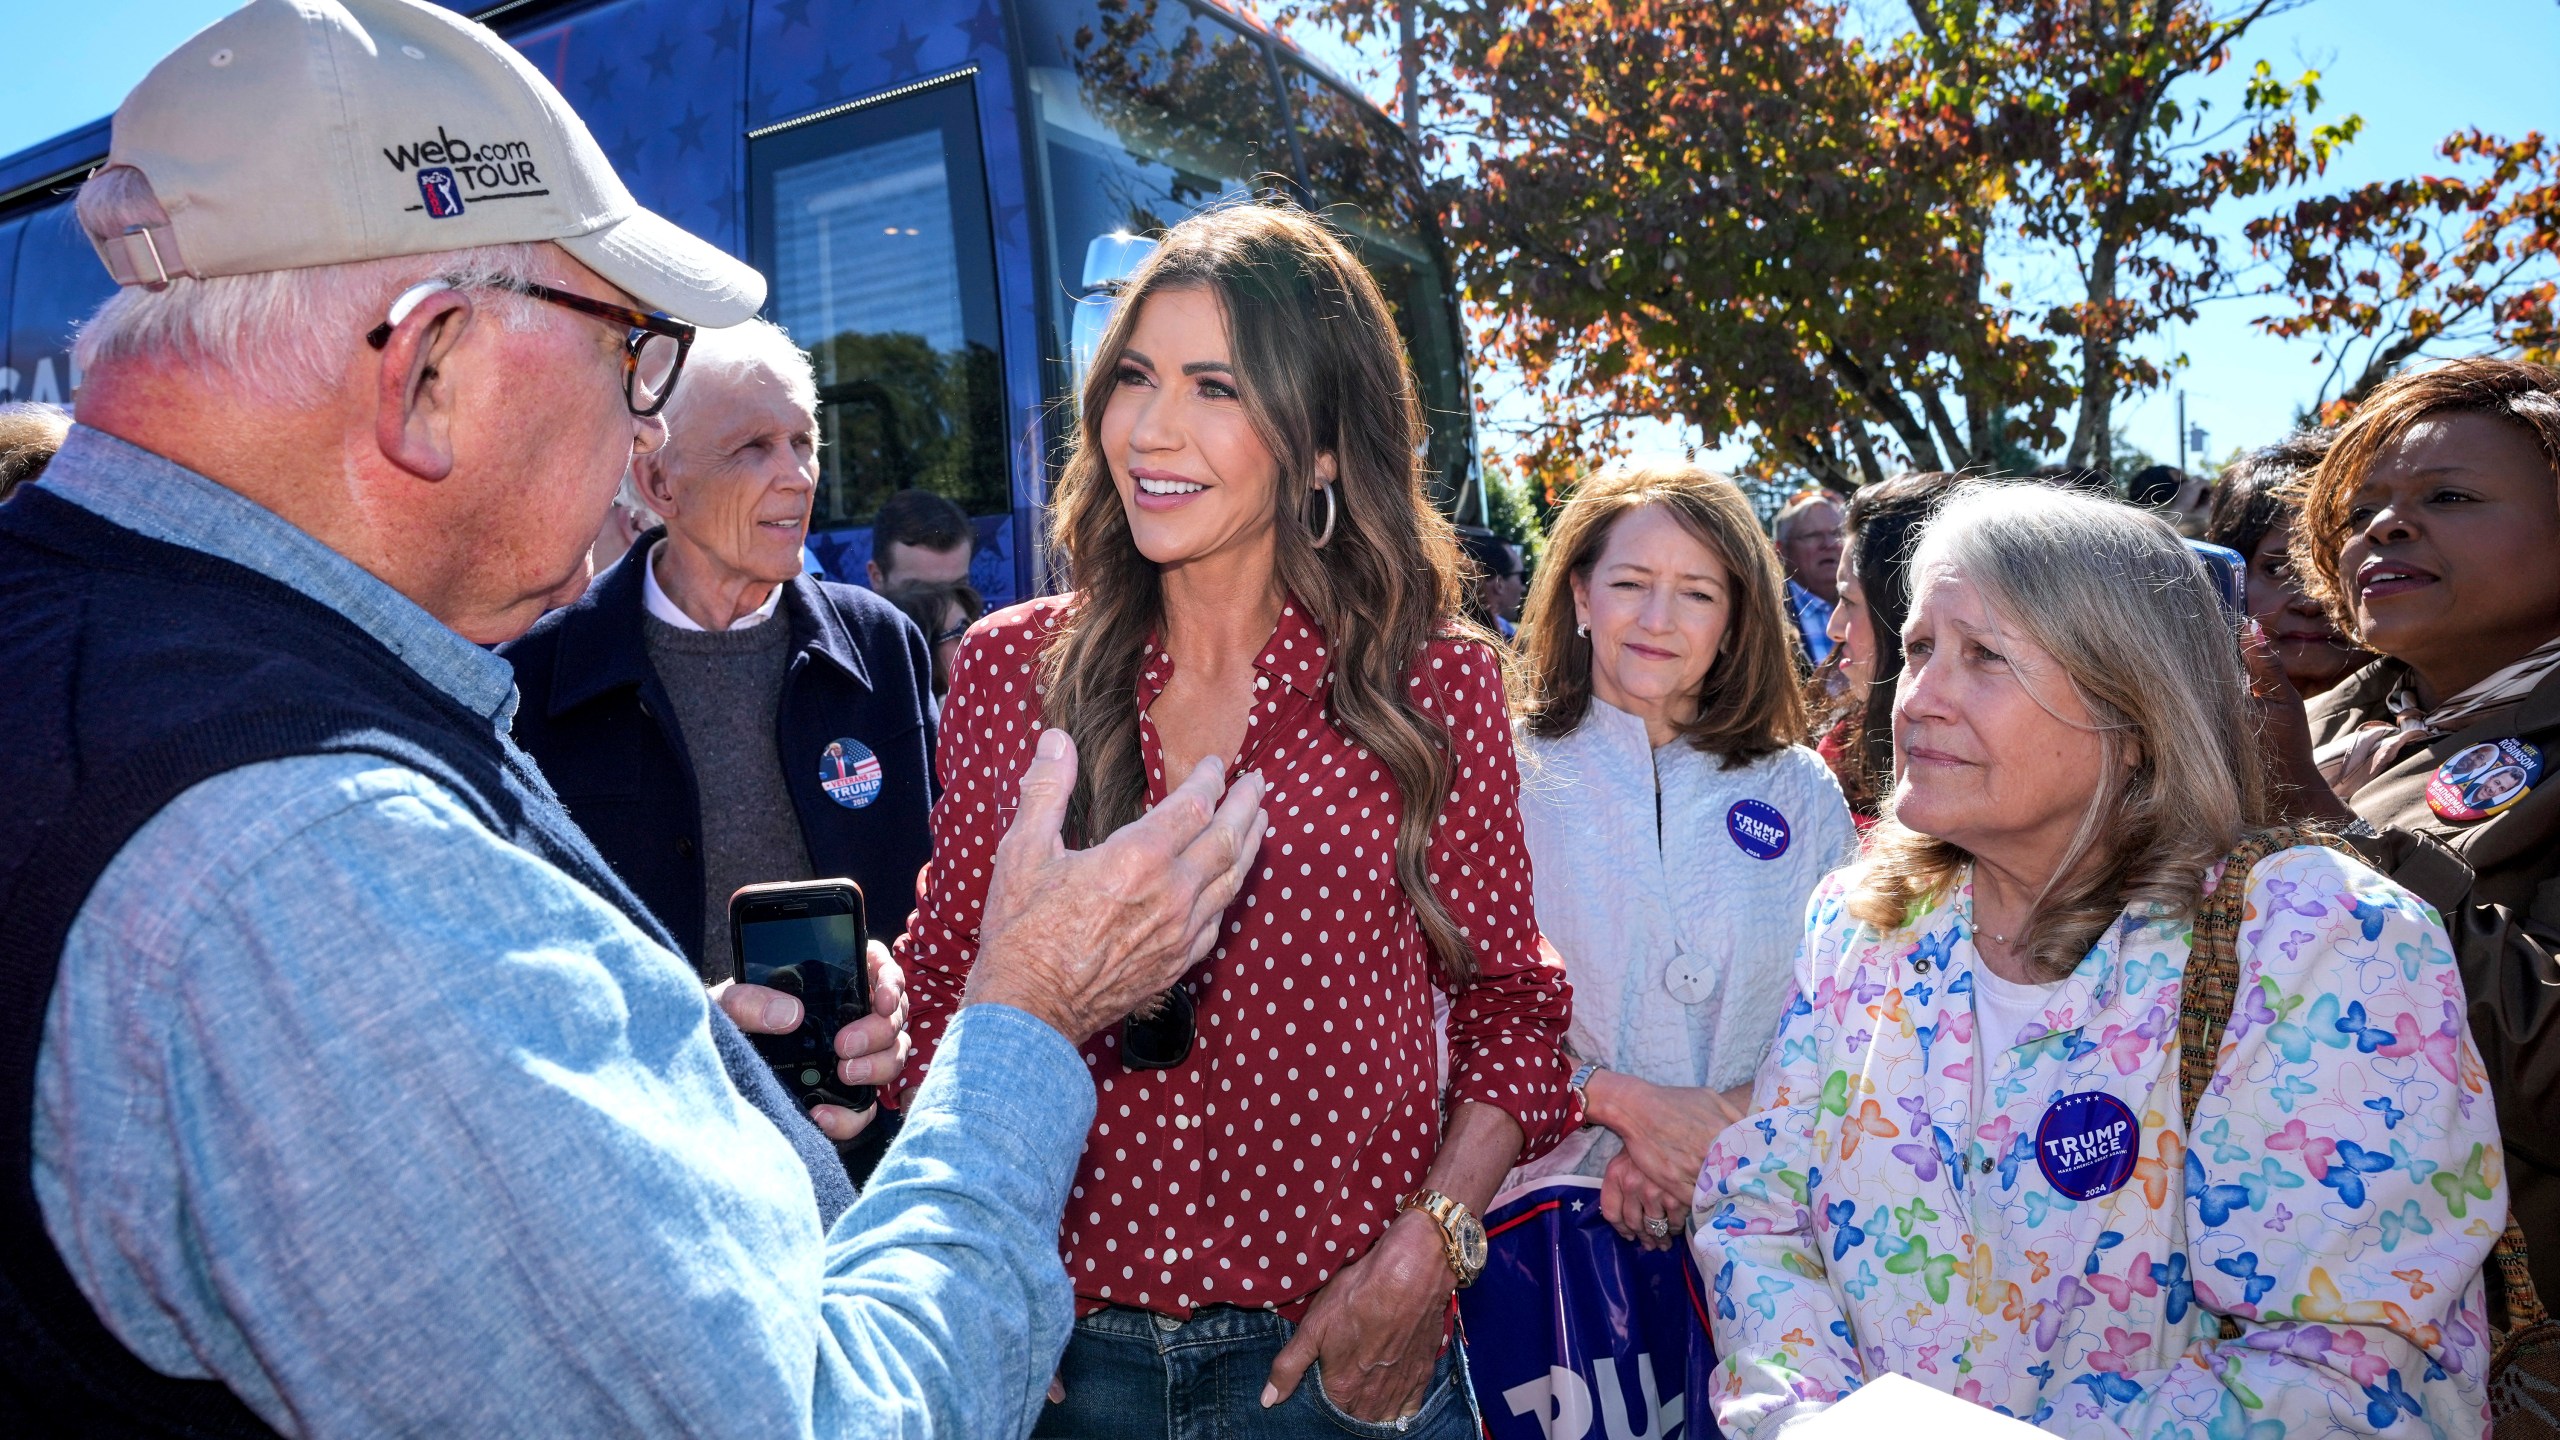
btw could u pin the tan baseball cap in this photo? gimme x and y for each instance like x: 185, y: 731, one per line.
x: 319, y: 132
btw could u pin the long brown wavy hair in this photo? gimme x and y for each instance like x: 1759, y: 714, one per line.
x: 1320, y: 371
x: 1748, y: 702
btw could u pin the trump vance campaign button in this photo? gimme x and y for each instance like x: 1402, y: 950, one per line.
x: 849, y: 773
x: 1758, y: 829
x: 2086, y: 1144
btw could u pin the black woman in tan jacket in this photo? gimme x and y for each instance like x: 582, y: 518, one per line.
x: 2432, y: 533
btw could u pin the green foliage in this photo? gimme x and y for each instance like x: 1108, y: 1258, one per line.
x: 1510, y: 511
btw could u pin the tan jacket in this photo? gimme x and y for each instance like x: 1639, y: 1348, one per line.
x: 2497, y: 884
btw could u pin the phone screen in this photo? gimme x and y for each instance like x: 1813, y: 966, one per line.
x: 799, y: 948
x: 781, y: 952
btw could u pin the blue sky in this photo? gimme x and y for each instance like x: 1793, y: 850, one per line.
x: 2416, y: 70
x: 71, y: 62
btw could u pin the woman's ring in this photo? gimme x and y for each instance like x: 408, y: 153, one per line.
x: 1657, y: 1227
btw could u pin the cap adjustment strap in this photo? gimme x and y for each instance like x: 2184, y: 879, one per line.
x: 144, y: 255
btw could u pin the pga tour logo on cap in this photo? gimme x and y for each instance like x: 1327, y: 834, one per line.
x: 1757, y: 828
x: 436, y: 187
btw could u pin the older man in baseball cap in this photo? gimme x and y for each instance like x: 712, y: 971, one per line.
x: 342, y: 1088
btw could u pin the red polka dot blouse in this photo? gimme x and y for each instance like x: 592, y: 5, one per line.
x: 1275, y: 1154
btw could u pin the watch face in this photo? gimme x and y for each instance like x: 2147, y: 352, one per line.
x: 1470, y: 1240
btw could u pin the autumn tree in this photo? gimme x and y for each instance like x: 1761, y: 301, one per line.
x: 1862, y: 249
x: 2387, y: 273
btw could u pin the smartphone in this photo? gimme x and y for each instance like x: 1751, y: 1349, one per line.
x: 2229, y: 574
x: 805, y: 938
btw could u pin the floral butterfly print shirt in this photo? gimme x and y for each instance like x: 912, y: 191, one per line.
x: 1902, y: 1199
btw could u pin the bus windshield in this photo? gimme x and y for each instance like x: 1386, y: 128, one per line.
x: 1152, y: 110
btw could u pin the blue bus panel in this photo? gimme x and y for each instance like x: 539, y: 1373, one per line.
x: 931, y: 186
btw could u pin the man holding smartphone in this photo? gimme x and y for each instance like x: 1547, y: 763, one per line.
x: 345, y: 1089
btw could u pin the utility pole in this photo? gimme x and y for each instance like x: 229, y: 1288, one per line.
x: 2182, y: 430
x: 1409, y: 71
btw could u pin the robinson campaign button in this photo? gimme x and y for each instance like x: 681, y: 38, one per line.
x: 2086, y: 1144
x: 1758, y: 828
x: 849, y: 773
x: 2481, y: 780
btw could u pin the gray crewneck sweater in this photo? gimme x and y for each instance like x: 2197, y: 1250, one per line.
x: 727, y: 687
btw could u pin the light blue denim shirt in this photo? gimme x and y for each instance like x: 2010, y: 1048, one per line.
x: 395, y: 1129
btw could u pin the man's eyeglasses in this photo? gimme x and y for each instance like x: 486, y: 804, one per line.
x: 652, y: 352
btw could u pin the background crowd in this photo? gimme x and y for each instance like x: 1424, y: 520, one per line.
x: 2087, y: 948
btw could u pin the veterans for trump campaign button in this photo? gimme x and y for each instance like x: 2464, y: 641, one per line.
x: 2484, y: 779
x: 2086, y: 1144
x: 849, y: 773
x: 1758, y: 828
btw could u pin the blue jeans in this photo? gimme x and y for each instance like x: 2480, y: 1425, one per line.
x: 1135, y: 1375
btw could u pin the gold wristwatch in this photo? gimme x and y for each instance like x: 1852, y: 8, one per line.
x: 1461, y: 1233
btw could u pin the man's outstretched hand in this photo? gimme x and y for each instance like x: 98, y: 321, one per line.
x: 1082, y: 938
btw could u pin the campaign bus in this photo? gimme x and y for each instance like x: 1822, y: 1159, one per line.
x: 942, y: 193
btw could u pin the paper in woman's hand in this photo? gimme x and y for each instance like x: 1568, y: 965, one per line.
x: 1907, y: 1410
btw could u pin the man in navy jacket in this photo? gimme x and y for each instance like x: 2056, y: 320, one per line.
x: 711, y: 716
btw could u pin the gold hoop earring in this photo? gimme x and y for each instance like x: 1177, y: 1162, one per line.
x: 1324, y: 536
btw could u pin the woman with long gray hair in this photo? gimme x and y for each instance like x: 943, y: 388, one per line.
x: 1278, y: 1200
x: 1978, y: 1160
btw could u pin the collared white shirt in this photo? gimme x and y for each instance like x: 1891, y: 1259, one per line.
x: 655, y: 598
x: 1678, y: 932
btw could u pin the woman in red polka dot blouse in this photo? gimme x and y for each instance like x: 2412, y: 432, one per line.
x: 1271, y: 1218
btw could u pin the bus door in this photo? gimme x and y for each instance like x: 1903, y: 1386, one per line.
x: 870, y: 220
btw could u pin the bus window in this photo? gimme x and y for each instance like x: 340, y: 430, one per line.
x: 872, y: 227
x: 13, y: 386
x: 1361, y: 174
x: 1354, y: 158
x: 1149, y: 111
x: 58, y: 283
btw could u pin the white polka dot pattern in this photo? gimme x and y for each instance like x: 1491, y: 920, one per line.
x: 1275, y: 1155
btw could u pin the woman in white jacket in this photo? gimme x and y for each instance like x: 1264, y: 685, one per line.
x: 1675, y: 826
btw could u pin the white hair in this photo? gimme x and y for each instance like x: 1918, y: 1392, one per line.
x: 742, y: 349
x: 1794, y: 510
x: 730, y: 353
x: 279, y: 337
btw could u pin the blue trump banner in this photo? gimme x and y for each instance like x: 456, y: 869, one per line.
x: 1573, y: 1332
